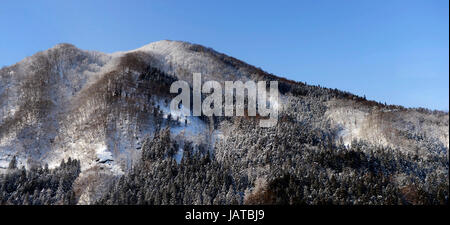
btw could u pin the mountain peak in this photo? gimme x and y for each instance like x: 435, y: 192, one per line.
x: 162, y: 45
x: 64, y: 46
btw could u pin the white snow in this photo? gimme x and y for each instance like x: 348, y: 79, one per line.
x: 191, y: 128
x: 174, y: 114
x: 102, y: 153
x: 179, y: 155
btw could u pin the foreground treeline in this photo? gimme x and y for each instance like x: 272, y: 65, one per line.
x: 287, y: 164
x: 321, y: 174
x: 39, y: 186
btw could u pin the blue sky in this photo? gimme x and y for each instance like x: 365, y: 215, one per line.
x: 391, y: 51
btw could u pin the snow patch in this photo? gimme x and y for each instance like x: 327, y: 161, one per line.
x: 103, y: 155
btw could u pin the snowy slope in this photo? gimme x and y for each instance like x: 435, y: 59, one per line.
x: 182, y: 59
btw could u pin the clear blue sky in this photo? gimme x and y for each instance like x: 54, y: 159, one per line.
x: 391, y: 51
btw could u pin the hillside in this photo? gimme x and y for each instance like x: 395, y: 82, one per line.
x: 110, y: 113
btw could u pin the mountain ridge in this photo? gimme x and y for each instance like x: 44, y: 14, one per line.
x: 151, y: 45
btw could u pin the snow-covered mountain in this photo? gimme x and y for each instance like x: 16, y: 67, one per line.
x: 99, y: 108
